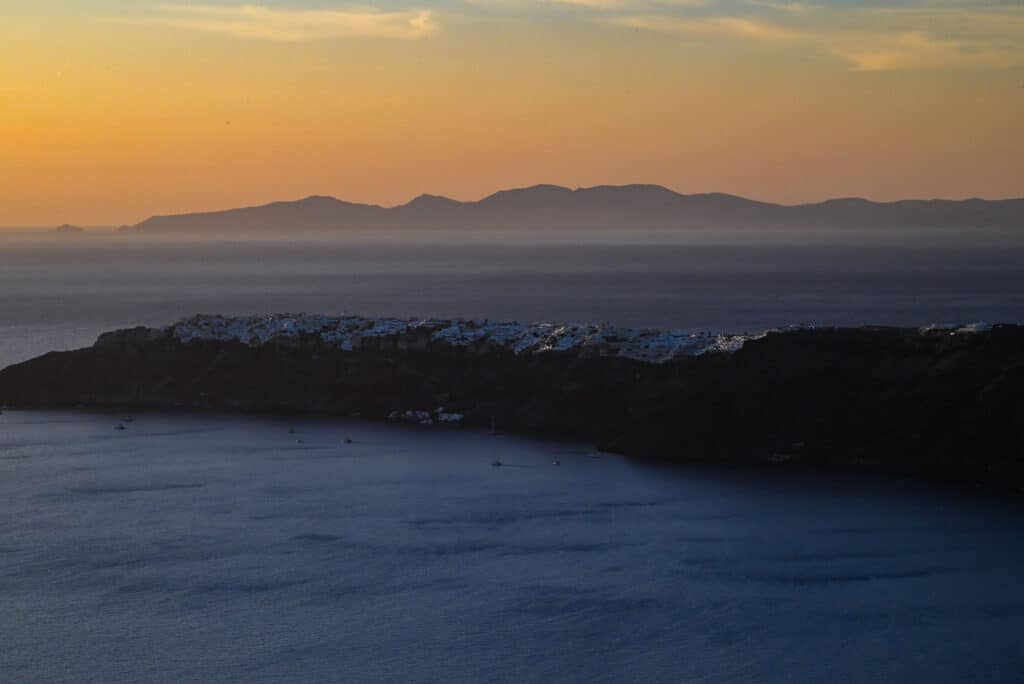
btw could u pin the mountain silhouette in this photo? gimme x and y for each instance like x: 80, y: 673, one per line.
x: 624, y: 207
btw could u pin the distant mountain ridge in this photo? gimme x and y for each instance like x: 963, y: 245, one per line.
x: 68, y: 229
x: 606, y: 206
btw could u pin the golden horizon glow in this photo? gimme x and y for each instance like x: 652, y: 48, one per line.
x: 113, y: 111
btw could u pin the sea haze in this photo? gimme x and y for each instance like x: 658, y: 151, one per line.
x: 221, y: 549
x: 61, y: 291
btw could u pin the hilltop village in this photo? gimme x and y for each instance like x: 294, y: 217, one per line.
x: 353, y: 333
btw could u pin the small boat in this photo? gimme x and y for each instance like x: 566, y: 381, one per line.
x: 298, y: 441
x: 291, y: 431
x: 496, y: 463
x: 120, y: 426
x: 348, y: 440
x: 556, y: 462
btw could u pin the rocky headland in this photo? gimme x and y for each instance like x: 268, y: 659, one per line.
x: 943, y: 403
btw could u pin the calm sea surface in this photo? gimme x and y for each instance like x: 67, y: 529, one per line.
x: 59, y: 292
x: 218, y: 549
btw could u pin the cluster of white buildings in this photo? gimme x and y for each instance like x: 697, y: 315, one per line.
x: 968, y: 329
x: 357, y: 332
x: 436, y: 417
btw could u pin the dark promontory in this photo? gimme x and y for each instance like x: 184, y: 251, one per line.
x: 944, y: 404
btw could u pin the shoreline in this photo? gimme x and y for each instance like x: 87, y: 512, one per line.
x: 777, y: 473
x: 934, y: 404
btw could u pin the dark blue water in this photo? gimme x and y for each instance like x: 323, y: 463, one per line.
x: 218, y: 549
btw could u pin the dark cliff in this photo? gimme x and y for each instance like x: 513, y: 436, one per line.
x: 936, y: 404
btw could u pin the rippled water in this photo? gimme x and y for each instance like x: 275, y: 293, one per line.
x: 220, y: 548
x: 217, y: 548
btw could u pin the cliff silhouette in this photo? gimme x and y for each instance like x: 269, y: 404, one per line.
x: 936, y: 404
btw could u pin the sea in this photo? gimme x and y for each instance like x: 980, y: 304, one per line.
x: 228, y: 548
x: 61, y: 291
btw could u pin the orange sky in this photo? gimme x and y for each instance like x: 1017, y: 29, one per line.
x: 113, y: 111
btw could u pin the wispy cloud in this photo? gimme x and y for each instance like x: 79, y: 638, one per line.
x: 929, y: 34
x: 789, y: 7
x: 708, y: 27
x: 598, y: 5
x: 256, y: 21
x: 622, y: 4
x: 916, y: 37
x: 918, y: 50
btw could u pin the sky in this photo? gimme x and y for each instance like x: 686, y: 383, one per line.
x: 115, y: 110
